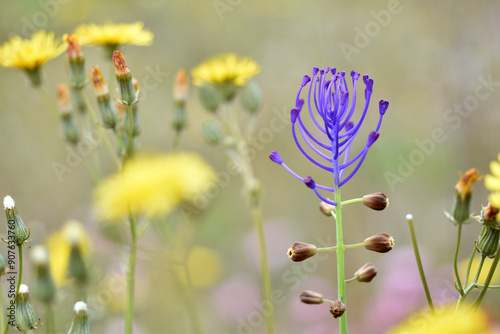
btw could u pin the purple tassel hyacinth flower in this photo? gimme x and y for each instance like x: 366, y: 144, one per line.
x: 331, y: 114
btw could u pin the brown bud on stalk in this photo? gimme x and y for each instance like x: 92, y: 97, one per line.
x: 326, y: 208
x: 366, y: 273
x: 181, y: 86
x: 376, y: 201
x: 380, y: 243
x: 311, y: 297
x: 301, y: 251
x: 490, y: 212
x: 337, y: 309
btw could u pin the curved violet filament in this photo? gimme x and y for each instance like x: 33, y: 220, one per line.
x: 324, y: 199
x: 379, y: 123
x: 350, y: 162
x: 309, y: 103
x: 304, y: 152
x: 355, y: 77
x: 354, y: 170
x: 301, y: 179
x: 347, y: 150
x: 321, y: 154
x: 301, y: 124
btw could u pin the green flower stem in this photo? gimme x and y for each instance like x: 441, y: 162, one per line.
x: 327, y: 301
x: 19, y: 278
x: 480, y: 286
x: 471, y: 286
x: 264, y: 267
x: 419, y: 265
x: 49, y: 316
x: 177, y: 141
x: 240, y: 156
x: 129, y: 315
x: 323, y: 249
x: 354, y: 200
x: 455, y: 260
x: 90, y: 171
x: 97, y: 124
x: 48, y: 102
x: 469, y: 266
x: 120, y: 140
x: 128, y: 152
x: 340, y: 261
x: 351, y: 279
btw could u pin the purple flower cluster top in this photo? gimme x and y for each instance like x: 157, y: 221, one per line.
x: 331, y: 114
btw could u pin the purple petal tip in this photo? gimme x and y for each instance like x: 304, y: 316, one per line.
x: 300, y: 103
x: 305, y: 80
x: 309, y: 182
x: 354, y: 75
x: 383, y: 105
x: 294, y: 114
x: 372, y: 137
x: 315, y: 71
x: 349, y: 125
x: 275, y: 157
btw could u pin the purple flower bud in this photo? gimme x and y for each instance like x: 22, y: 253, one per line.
x: 309, y: 182
x: 349, y: 125
x: 315, y: 71
x: 354, y: 75
x: 305, y: 80
x: 383, y: 105
x: 372, y: 137
x: 275, y: 157
x: 300, y: 104
x: 294, y: 114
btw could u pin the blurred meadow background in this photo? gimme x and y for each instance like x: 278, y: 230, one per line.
x: 427, y: 58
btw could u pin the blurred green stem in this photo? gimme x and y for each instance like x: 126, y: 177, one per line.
x: 419, y: 265
x: 128, y: 152
x: 323, y: 249
x: 469, y: 266
x: 354, y: 200
x: 48, y: 102
x: 471, y: 286
x: 129, y: 315
x: 49, y: 315
x: 455, y: 260
x: 240, y: 155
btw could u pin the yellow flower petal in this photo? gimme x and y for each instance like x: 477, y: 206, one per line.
x: 204, y: 266
x: 225, y: 69
x: 495, y: 168
x: 30, y: 54
x: 446, y: 321
x: 153, y: 185
x: 492, y: 183
x: 112, y: 34
x: 495, y: 199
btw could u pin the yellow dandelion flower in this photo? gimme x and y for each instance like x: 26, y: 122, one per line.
x: 153, y: 185
x: 30, y: 54
x: 225, y: 69
x: 112, y: 35
x: 492, y: 183
x: 59, y: 246
x: 445, y: 321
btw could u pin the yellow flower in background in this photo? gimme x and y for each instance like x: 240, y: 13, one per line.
x: 59, y: 245
x: 225, y: 69
x: 153, y: 185
x: 114, y: 34
x: 492, y: 183
x: 204, y: 266
x: 484, y: 271
x: 445, y: 321
x: 30, y: 54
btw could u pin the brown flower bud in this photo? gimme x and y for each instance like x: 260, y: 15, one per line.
x: 181, y: 85
x: 326, y: 208
x: 463, y: 193
x: 366, y: 273
x: 311, y: 297
x: 300, y: 251
x: 376, y: 201
x: 490, y: 212
x: 380, y: 243
x: 337, y: 309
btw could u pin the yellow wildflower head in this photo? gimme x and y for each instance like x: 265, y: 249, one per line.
x: 464, y: 184
x: 445, y: 321
x: 153, y: 185
x: 59, y: 245
x: 113, y: 35
x: 225, y: 69
x: 30, y: 54
x: 492, y: 183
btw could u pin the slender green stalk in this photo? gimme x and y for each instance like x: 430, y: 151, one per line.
x: 469, y: 266
x: 493, y: 267
x: 419, y: 264
x: 128, y: 153
x: 105, y: 139
x: 129, y: 315
x: 340, y: 260
x: 49, y: 319
x: 90, y: 171
x: 264, y: 268
x: 120, y: 140
x: 351, y: 279
x: 455, y: 260
x: 480, y: 286
x: 354, y: 200
x: 48, y: 102
x: 323, y: 249
x: 177, y: 141
x: 242, y: 158
x: 19, y: 278
x: 471, y: 286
